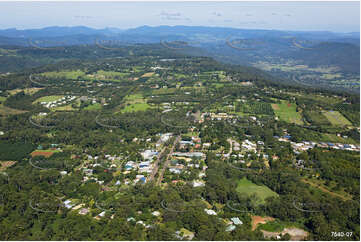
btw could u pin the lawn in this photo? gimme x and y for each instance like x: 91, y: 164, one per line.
x: 336, y: 118
x: 287, y: 112
x: 48, y: 99
x: 249, y: 188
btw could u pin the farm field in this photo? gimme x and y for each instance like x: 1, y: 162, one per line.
x: 248, y: 187
x: 287, y: 112
x: 336, y: 118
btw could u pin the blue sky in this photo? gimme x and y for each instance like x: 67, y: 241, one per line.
x: 330, y: 16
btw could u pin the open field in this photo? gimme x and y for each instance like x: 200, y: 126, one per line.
x: 48, y: 99
x: 134, y: 103
x: 99, y: 75
x: 6, y: 164
x: 249, y: 188
x: 29, y: 91
x: 95, y: 106
x: 64, y: 74
x: 64, y: 108
x: 336, y: 118
x: 135, y: 107
x: 319, y: 185
x: 148, y: 74
x: 9, y: 111
x: 287, y: 112
x: 260, y: 220
x: 46, y: 153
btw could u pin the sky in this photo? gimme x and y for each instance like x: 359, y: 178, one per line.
x: 313, y: 16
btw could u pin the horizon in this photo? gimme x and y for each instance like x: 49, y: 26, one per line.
x: 340, y: 17
x: 195, y: 26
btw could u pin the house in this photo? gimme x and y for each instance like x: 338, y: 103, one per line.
x: 236, y: 221
x: 210, y: 211
x: 175, y: 170
x: 230, y: 228
x: 201, y: 174
x: 156, y: 213
x: 68, y: 204
x: 144, y: 164
x: 130, y: 219
x: 189, y: 154
x: 84, y: 211
x: 184, y: 234
x: 198, y: 183
x: 63, y: 173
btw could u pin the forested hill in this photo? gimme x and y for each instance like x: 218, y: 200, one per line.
x: 348, y: 55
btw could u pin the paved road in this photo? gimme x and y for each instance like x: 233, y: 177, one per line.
x: 166, y: 164
x: 155, y: 169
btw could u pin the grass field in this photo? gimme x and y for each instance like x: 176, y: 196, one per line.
x: 134, y: 103
x: 29, y: 91
x: 278, y: 226
x: 99, y: 75
x: 249, y: 188
x: 9, y: 111
x: 287, y: 112
x: 148, y: 74
x: 64, y: 74
x: 95, y: 106
x: 2, y: 99
x: 336, y: 118
x: 320, y: 185
x: 64, y: 108
x: 48, y: 99
x: 135, y: 107
x: 161, y: 91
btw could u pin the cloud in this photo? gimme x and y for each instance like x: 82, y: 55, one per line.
x: 253, y: 22
x: 175, y: 16
x: 83, y: 17
x: 217, y: 14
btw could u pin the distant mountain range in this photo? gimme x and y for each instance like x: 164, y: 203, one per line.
x: 249, y: 47
x: 163, y: 31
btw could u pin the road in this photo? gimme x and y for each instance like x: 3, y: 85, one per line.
x: 230, y: 141
x: 166, y: 164
x: 155, y: 169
